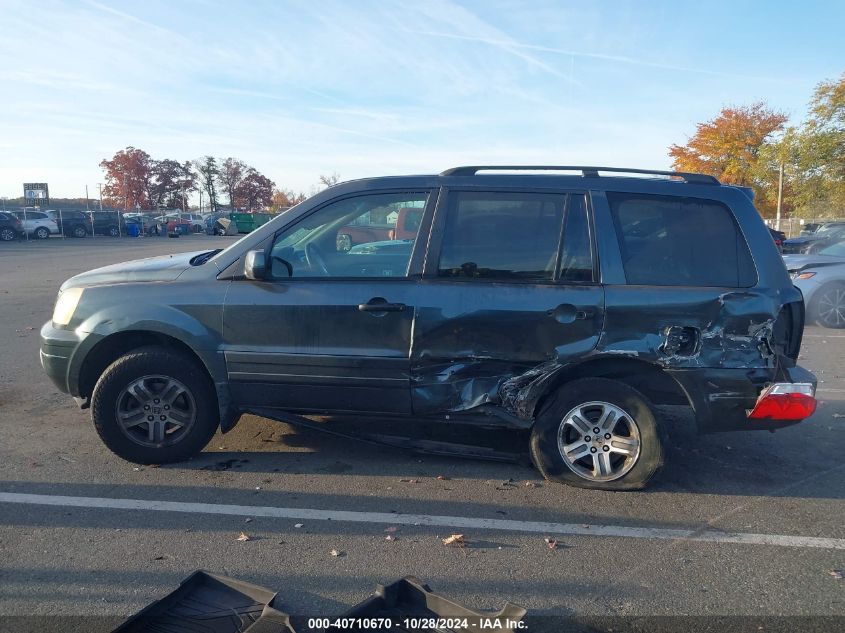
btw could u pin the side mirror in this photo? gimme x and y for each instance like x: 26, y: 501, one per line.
x: 255, y: 266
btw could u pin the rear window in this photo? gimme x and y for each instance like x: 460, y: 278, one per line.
x: 674, y: 241
x: 508, y: 236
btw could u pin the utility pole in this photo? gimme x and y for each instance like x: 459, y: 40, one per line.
x: 87, y: 208
x: 183, y: 196
x: 100, y: 185
x: 780, y: 195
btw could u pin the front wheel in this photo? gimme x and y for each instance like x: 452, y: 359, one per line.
x: 42, y: 233
x: 7, y: 234
x: 79, y: 231
x: 114, y: 231
x: 153, y: 406
x: 597, y: 433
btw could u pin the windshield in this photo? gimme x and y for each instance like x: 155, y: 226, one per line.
x: 836, y: 250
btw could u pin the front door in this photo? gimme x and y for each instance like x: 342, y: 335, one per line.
x: 330, y: 329
x: 509, y: 290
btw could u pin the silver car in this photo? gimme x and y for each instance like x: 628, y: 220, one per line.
x: 821, y: 277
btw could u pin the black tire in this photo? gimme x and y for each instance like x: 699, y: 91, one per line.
x: 827, y: 307
x: 42, y: 232
x: 547, y: 455
x: 144, y: 362
x: 113, y: 231
x: 7, y: 234
x: 79, y: 231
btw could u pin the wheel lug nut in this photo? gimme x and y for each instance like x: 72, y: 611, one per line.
x: 155, y: 401
x: 150, y: 418
x: 167, y: 408
x: 606, y: 435
x: 605, y: 448
x: 593, y: 449
x: 587, y: 438
x: 597, y: 430
x: 163, y: 418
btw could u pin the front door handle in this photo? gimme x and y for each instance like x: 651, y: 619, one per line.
x: 378, y: 304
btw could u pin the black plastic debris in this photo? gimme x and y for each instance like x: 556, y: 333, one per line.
x: 207, y: 603
x: 413, y: 606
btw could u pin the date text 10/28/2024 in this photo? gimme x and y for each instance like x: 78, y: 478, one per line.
x: 418, y: 624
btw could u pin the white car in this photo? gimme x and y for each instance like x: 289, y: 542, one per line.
x: 37, y: 223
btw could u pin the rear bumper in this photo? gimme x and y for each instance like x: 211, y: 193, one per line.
x: 722, y: 398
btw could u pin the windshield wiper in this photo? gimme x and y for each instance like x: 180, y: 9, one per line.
x: 199, y: 260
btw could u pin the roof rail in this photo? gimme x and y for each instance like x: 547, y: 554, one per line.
x: 586, y: 172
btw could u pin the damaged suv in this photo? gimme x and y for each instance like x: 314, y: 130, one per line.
x: 564, y: 301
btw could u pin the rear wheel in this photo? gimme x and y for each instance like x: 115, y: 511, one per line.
x: 597, y: 433
x: 7, y: 234
x: 114, y: 231
x: 42, y: 232
x: 153, y: 406
x: 79, y: 231
x: 828, y: 306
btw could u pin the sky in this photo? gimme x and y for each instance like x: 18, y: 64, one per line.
x: 367, y: 88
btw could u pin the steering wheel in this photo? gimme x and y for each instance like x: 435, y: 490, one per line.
x: 315, y: 259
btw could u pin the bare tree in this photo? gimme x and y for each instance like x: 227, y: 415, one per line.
x: 207, y: 172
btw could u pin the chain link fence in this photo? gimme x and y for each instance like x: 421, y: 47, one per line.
x: 793, y: 226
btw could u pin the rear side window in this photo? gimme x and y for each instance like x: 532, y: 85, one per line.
x: 576, y: 263
x: 674, y: 241
x: 508, y: 236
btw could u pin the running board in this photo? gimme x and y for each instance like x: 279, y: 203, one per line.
x: 429, y: 447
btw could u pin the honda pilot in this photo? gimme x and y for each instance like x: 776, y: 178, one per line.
x: 566, y: 302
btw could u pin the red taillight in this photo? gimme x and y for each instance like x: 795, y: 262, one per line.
x: 785, y: 401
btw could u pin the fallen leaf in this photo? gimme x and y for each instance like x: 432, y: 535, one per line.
x: 456, y: 540
x: 551, y: 542
x: 392, y: 528
x: 442, y: 478
x: 532, y: 484
x: 336, y: 553
x: 297, y: 525
x: 243, y: 537
x: 837, y: 574
x: 389, y: 537
x: 248, y: 521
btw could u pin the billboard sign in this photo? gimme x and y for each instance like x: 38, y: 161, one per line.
x: 36, y: 192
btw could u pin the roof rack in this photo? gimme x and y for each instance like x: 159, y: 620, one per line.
x: 586, y: 172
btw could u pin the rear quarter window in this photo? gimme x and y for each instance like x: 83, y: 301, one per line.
x: 677, y: 241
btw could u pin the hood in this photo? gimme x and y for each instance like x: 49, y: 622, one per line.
x: 162, y: 268
x: 800, y: 262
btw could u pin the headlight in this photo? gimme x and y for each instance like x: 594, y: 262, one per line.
x: 66, y: 305
x: 803, y: 275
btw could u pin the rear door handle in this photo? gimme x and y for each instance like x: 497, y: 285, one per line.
x: 381, y: 307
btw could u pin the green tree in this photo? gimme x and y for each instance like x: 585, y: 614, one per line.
x: 814, y: 154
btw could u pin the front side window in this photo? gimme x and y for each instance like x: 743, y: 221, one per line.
x: 351, y: 238
x: 507, y: 236
x: 676, y: 241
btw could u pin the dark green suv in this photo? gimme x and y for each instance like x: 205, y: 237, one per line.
x: 567, y: 301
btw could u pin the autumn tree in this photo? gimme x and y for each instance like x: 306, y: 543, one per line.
x: 171, y: 182
x: 814, y: 154
x: 129, y: 176
x: 207, y: 174
x: 232, y: 173
x: 729, y: 147
x: 255, y: 190
x: 285, y: 198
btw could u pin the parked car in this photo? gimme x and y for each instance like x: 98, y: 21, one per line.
x: 10, y: 227
x: 821, y: 278
x: 830, y: 231
x: 37, y: 224
x: 566, y: 305
x: 109, y: 223
x: 194, y: 221
x: 72, y: 223
x: 779, y: 237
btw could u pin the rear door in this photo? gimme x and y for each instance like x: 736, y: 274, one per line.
x: 509, y: 285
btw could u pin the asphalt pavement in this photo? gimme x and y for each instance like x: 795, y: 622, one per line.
x: 739, y: 524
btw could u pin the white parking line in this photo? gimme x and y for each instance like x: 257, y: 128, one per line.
x: 824, y: 336
x: 475, y: 523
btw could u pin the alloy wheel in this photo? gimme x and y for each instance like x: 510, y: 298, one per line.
x: 832, y: 307
x: 599, y: 441
x: 155, y: 411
